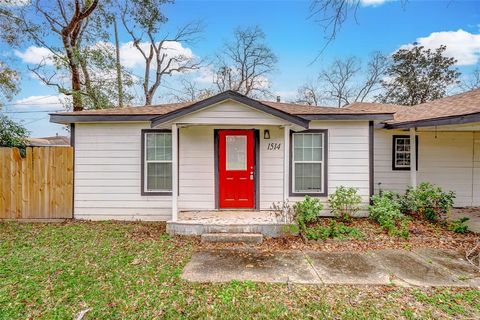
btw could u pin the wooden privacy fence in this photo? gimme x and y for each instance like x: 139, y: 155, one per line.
x: 37, y: 186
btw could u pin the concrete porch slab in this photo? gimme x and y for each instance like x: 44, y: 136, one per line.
x: 232, y: 221
x: 349, y: 268
x: 223, y: 217
x: 227, y: 265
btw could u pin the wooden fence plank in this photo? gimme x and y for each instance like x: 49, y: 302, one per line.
x: 39, y: 185
x: 30, y: 184
x: 3, y: 172
x: 8, y: 184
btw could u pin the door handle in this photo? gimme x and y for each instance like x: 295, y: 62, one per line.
x: 251, y: 175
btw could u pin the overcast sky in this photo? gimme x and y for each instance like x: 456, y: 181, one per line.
x: 296, y: 40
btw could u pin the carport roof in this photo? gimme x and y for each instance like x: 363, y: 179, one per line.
x: 456, y: 109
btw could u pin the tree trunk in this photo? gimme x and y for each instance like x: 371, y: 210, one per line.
x: 76, y: 87
x: 148, y: 98
x: 119, y: 67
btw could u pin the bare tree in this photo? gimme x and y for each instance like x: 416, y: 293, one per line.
x: 345, y: 81
x: 309, y: 94
x: 245, y: 63
x: 190, y: 91
x: 69, y: 22
x: 161, y: 59
x: 471, y: 81
x: 332, y: 14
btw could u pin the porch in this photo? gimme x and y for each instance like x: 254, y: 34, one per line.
x: 196, y: 223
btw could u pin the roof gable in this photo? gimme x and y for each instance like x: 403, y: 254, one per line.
x: 229, y: 95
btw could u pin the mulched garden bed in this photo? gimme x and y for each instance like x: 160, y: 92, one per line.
x: 423, y: 234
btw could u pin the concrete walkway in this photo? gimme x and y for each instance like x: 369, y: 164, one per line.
x: 423, y: 267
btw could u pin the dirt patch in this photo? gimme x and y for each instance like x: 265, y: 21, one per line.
x: 423, y: 234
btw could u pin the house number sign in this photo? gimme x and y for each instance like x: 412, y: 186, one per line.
x: 273, y: 146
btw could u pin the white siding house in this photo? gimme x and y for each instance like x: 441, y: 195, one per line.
x: 108, y: 163
x: 233, y: 152
x: 449, y: 159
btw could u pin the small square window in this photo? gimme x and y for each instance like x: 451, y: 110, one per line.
x: 401, y: 154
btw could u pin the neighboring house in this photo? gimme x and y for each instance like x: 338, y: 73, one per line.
x: 233, y: 152
x: 54, y: 141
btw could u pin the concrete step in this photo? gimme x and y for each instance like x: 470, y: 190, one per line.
x: 197, y: 228
x: 252, y: 238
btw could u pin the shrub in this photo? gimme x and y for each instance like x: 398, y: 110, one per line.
x: 306, y: 212
x: 428, y: 200
x: 344, y: 202
x: 335, y: 230
x: 459, y: 225
x: 385, y: 210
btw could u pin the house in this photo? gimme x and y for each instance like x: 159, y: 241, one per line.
x: 447, y: 148
x: 184, y: 162
x: 53, y: 141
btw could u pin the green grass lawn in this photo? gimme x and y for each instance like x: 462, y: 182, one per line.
x: 132, y: 271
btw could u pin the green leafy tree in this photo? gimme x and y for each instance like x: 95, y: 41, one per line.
x: 8, y: 82
x: 12, y: 134
x: 417, y: 75
x: 80, y: 61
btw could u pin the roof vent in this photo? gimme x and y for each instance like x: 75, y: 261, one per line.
x: 278, y: 98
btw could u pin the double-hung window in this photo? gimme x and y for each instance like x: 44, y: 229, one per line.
x: 401, y: 154
x: 157, y: 167
x: 309, y: 162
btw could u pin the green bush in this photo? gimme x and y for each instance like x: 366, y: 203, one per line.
x: 306, y: 212
x: 459, y: 225
x: 428, y: 200
x: 385, y: 210
x: 344, y: 202
x: 335, y: 230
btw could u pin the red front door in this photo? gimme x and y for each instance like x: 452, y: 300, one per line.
x: 236, y: 167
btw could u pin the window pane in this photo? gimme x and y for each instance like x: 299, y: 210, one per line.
x: 307, y: 140
x: 236, y: 152
x: 317, y: 154
x: 150, y: 142
x: 159, y: 146
x: 317, y: 140
x: 308, y: 177
x: 159, y: 176
x: 298, y: 140
x: 298, y: 154
x: 307, y: 154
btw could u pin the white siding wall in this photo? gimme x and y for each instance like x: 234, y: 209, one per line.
x: 108, y: 177
x: 476, y: 171
x: 348, y: 157
x: 230, y: 113
x: 197, y: 172
x: 107, y: 174
x: 445, y: 158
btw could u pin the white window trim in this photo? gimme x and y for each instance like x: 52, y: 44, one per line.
x: 146, y: 162
x: 402, y: 152
x: 322, y: 162
x: 395, y: 153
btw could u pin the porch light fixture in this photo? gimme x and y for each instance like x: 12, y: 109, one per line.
x: 266, y: 134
